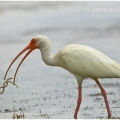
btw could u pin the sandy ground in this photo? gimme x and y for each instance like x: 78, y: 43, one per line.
x: 51, y: 92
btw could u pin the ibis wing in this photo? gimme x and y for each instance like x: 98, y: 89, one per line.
x: 88, y: 62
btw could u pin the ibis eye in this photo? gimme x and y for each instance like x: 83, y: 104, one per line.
x: 33, y: 41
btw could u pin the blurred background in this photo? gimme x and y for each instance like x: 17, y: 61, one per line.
x: 63, y: 22
x: 95, y: 24
x: 73, y: 20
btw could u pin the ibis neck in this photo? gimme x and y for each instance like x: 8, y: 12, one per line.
x: 46, y: 56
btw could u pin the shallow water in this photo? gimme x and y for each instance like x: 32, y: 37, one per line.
x: 44, y: 91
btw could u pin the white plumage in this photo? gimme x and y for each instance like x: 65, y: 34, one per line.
x: 82, y: 61
x: 87, y: 62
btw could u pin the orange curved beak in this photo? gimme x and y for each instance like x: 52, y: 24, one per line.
x: 32, y: 46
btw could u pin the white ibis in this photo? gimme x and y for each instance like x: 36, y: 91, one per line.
x: 82, y: 61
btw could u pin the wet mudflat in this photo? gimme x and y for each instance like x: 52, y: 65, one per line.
x: 51, y: 92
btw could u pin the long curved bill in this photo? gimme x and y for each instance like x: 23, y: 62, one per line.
x: 32, y: 46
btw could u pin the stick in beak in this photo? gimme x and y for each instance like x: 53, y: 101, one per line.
x: 32, y: 46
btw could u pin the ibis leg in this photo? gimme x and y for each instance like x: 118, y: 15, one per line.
x: 78, y: 101
x: 105, y: 98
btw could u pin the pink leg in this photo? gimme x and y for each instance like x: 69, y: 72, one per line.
x: 105, y: 98
x: 78, y: 101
